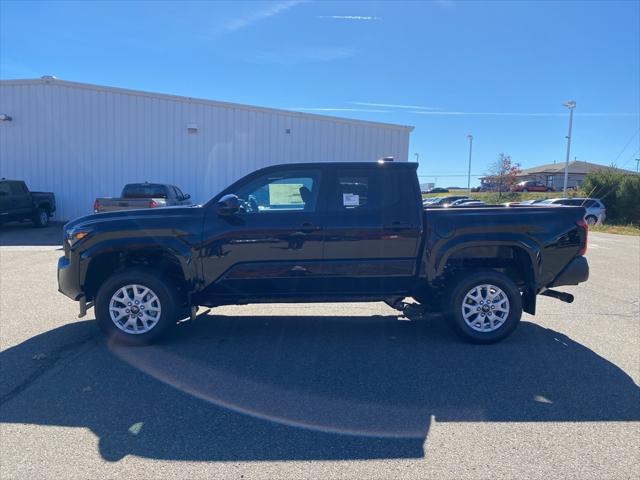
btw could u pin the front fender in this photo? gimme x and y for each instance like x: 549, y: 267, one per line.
x: 173, y: 246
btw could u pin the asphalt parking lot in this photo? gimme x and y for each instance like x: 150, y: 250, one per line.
x: 319, y: 391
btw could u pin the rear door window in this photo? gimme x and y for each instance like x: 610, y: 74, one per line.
x: 361, y: 190
x: 572, y: 202
x: 5, y: 189
x: 16, y: 188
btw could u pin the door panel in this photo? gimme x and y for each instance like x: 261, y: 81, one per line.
x: 6, y: 206
x: 271, y: 248
x: 20, y: 199
x: 371, y: 237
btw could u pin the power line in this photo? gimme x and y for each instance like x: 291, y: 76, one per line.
x: 626, y: 145
x: 632, y: 157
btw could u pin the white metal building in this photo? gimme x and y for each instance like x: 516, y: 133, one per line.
x: 84, y: 141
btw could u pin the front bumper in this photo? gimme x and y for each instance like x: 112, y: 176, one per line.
x: 576, y: 272
x: 68, y: 279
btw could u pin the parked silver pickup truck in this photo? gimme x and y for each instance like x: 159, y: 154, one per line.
x: 143, y: 195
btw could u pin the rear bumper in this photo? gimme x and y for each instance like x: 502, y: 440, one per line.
x: 576, y: 272
x: 68, y: 279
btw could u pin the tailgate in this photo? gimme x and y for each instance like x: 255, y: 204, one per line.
x: 117, y: 204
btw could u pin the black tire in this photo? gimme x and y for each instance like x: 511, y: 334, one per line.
x: 464, y: 285
x: 163, y: 290
x: 591, y: 219
x: 41, y: 218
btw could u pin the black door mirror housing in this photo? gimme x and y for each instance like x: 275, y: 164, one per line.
x: 228, y: 205
x: 186, y: 196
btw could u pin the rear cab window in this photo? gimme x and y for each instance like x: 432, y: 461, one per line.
x: 144, y: 190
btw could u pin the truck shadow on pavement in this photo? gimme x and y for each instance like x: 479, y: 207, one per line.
x: 227, y: 388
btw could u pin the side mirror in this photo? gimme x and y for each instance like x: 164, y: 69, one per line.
x: 228, y: 205
x: 186, y: 196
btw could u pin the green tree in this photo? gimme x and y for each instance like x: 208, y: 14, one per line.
x: 619, y: 191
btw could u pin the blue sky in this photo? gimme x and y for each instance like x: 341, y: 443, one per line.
x: 497, y: 70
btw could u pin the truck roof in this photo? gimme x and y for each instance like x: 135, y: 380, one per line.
x: 387, y: 163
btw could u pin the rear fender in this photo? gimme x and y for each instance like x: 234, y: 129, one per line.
x: 436, y: 260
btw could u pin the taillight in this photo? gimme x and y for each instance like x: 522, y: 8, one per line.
x: 152, y: 204
x: 583, y: 224
x: 96, y: 206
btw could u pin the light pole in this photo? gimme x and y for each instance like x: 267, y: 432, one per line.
x: 470, y: 137
x: 637, y: 164
x: 417, y: 157
x: 571, y: 104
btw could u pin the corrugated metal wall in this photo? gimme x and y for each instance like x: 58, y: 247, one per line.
x: 82, y: 142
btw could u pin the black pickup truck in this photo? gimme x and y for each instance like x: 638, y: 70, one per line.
x: 324, y: 232
x: 17, y: 203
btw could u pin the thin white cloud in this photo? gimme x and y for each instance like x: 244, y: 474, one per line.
x: 525, y: 114
x: 358, y: 18
x: 255, y: 17
x: 305, y: 54
x: 393, y: 105
x: 331, y: 109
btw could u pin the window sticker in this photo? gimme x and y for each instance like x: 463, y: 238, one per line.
x: 350, y: 200
x: 285, y: 194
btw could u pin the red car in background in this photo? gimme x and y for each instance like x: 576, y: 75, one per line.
x: 531, y: 186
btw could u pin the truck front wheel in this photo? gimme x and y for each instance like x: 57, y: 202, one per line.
x: 136, y: 306
x: 485, y: 306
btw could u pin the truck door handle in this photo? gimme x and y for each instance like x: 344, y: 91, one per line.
x: 398, y: 226
x: 308, y: 227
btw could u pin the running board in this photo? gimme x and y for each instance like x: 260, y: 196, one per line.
x: 562, y: 296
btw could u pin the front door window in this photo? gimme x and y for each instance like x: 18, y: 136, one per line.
x: 281, y: 192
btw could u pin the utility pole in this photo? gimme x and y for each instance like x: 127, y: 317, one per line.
x: 637, y: 164
x: 417, y: 157
x: 470, y: 137
x: 571, y: 105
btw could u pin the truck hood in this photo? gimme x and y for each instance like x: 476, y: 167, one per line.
x: 139, y: 217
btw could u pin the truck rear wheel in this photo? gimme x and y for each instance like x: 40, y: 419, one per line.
x: 41, y: 218
x: 136, y: 306
x: 485, y: 307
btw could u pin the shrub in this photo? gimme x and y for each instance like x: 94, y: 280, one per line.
x: 619, y: 192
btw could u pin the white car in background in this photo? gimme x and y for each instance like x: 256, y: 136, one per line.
x: 595, y: 209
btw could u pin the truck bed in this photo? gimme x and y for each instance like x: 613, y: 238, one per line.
x: 543, y: 231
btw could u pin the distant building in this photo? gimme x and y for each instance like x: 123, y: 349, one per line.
x: 425, y: 187
x: 84, y: 141
x: 552, y: 174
